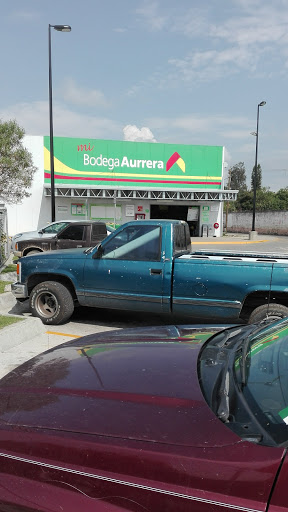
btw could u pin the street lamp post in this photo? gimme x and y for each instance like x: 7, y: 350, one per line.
x: 59, y: 28
x: 261, y: 104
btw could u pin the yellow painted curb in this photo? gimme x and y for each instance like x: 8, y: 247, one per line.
x: 63, y: 334
x: 228, y: 242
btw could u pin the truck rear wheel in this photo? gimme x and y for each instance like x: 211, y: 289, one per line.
x: 271, y: 311
x: 52, y: 302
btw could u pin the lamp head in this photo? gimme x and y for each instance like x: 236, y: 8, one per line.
x: 262, y: 103
x: 62, y: 28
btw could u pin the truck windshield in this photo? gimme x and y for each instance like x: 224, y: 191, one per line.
x: 54, y: 228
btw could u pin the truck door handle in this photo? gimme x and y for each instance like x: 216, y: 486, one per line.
x: 155, y: 271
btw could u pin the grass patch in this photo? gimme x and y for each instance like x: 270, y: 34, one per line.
x: 9, y: 268
x: 8, y: 320
x: 3, y: 284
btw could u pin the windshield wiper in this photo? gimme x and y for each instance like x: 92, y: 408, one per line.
x: 242, y: 363
x: 223, y: 410
x: 88, y: 250
x: 245, y: 348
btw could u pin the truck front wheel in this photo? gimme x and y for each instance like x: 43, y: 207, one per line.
x: 271, y: 311
x: 34, y: 251
x: 52, y: 302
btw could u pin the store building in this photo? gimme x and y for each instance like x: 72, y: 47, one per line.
x: 117, y: 181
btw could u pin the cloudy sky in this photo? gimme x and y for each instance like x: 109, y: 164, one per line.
x: 188, y: 72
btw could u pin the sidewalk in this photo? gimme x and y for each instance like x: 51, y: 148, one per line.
x: 19, y: 341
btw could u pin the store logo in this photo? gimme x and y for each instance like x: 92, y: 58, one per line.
x: 175, y: 159
x: 85, y: 147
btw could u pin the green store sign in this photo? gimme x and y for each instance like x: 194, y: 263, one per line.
x: 133, y: 165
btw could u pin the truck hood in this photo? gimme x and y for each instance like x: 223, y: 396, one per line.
x: 60, y: 253
x: 144, y: 382
x: 30, y: 235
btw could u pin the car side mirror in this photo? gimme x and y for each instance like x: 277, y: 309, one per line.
x: 99, y: 253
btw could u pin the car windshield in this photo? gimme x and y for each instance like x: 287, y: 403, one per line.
x: 243, y: 373
x: 265, y: 388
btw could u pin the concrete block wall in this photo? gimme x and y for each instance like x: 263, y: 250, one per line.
x: 269, y: 222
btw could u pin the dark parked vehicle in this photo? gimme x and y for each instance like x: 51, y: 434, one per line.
x: 147, y: 265
x: 172, y: 419
x: 71, y: 235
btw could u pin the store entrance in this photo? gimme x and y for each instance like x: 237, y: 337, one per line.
x: 179, y: 212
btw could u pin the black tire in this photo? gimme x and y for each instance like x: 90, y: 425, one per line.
x: 34, y: 251
x: 271, y: 311
x: 52, y: 302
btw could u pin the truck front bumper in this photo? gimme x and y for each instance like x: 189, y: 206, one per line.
x: 19, y: 290
x: 19, y: 254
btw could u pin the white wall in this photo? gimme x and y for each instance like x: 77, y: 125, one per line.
x: 25, y: 216
x: 268, y: 222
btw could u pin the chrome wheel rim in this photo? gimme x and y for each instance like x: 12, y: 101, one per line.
x: 46, y: 304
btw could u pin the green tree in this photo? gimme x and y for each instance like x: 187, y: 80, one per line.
x: 282, y: 196
x: 16, y: 165
x: 267, y: 200
x: 244, y: 201
x: 238, y: 177
x: 256, y: 175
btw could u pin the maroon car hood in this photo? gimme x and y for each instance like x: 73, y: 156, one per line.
x: 138, y: 387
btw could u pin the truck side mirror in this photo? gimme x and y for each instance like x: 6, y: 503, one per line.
x: 99, y: 253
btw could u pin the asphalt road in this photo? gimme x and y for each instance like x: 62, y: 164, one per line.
x: 26, y: 339
x: 241, y: 243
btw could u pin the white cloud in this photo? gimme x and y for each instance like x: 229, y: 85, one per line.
x: 25, y: 15
x: 250, y: 35
x: 132, y: 133
x: 77, y: 95
x: 152, y: 15
x: 209, y: 65
x: 120, y: 30
x: 224, y: 126
x: 34, y: 118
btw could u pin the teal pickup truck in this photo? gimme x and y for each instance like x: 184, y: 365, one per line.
x: 148, y: 266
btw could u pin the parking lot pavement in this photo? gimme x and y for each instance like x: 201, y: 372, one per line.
x: 241, y: 243
x: 28, y: 338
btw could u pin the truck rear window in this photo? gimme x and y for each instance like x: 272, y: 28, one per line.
x: 98, y: 229
x: 182, y: 240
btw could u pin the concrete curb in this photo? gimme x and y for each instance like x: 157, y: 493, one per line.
x: 7, y: 300
x: 20, y: 332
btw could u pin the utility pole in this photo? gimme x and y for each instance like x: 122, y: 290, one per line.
x: 227, y: 202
